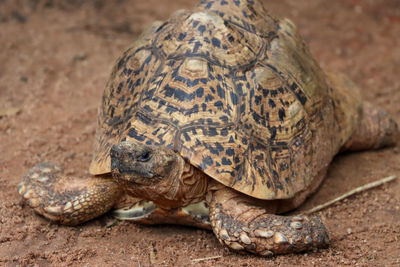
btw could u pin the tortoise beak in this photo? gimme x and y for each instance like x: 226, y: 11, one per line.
x: 116, y: 154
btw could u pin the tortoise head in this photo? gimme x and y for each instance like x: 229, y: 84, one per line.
x: 153, y: 173
x: 141, y: 164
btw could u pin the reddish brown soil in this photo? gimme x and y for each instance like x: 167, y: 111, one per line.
x: 54, y: 62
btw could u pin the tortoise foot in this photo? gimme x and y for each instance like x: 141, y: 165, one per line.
x: 241, y: 224
x: 269, y: 234
x: 66, y: 200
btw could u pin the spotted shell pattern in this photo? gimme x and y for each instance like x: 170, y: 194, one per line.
x: 231, y: 88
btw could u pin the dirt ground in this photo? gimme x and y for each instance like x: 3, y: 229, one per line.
x: 54, y: 62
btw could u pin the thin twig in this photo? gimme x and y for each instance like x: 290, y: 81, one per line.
x: 352, y: 192
x: 9, y: 111
x: 207, y: 258
x: 112, y: 224
x: 152, y: 254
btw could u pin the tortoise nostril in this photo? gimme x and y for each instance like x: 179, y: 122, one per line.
x: 115, y: 151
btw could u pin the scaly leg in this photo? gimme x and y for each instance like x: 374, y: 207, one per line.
x: 242, y: 224
x: 146, y: 212
x: 67, y: 200
x: 376, y: 129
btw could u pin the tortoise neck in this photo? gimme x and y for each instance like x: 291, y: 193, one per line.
x: 186, y: 185
x: 194, y: 183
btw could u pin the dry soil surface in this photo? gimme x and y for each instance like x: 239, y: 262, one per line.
x: 55, y: 57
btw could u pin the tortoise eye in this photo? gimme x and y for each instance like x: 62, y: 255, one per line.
x: 144, y: 157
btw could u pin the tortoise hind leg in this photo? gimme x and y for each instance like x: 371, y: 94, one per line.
x: 146, y: 212
x: 240, y: 223
x: 67, y: 200
x: 376, y: 129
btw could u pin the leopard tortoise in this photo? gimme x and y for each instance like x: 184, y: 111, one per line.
x: 218, y: 118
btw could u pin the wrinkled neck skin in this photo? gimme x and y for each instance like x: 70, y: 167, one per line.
x: 182, y: 185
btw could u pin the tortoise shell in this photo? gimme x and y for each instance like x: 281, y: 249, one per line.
x: 233, y: 90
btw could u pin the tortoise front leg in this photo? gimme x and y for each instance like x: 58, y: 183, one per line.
x: 67, y: 200
x: 239, y: 222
